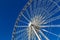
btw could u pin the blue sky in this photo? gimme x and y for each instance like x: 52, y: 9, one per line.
x: 9, y: 10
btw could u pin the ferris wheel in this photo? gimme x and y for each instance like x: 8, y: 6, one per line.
x: 38, y: 20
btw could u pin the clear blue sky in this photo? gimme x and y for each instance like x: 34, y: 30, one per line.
x: 9, y: 10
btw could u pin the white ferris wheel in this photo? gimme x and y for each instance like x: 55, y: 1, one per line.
x: 38, y: 20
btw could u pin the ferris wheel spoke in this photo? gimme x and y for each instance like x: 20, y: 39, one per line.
x: 25, y: 17
x: 55, y: 3
x: 54, y: 12
x: 53, y: 26
x: 34, y: 6
x: 45, y: 14
x: 29, y: 33
x: 31, y: 11
x: 49, y: 16
x: 34, y: 38
x: 50, y: 32
x: 44, y: 2
x: 19, y: 36
x: 32, y: 35
x: 38, y: 3
x: 41, y: 11
x: 21, y: 30
x: 42, y: 14
x: 42, y: 17
x: 52, y: 19
x: 25, y: 37
x: 21, y: 26
x: 48, y: 3
x: 38, y: 11
x: 51, y: 7
x: 40, y: 36
x: 27, y: 12
x: 23, y: 22
x: 44, y: 35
